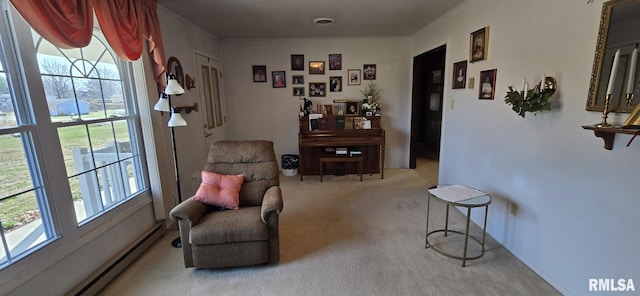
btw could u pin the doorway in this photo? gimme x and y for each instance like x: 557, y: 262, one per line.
x: 426, y: 107
x: 210, y: 83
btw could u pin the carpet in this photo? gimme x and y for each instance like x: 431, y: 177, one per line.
x: 345, y: 237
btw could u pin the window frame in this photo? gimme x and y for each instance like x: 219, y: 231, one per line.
x: 21, y: 60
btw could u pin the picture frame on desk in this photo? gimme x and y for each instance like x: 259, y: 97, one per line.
x: 353, y: 109
x: 361, y: 123
x: 328, y: 109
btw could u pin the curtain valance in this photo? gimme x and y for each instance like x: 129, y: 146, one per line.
x: 69, y: 24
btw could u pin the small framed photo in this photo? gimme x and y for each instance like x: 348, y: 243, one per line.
x: 353, y: 108
x: 369, y: 71
x: 279, y: 79
x: 335, y: 83
x: 328, y: 109
x: 335, y: 61
x: 354, y: 76
x: 297, y: 62
x: 479, y: 45
x: 259, y: 73
x: 298, y: 91
x: 316, y: 67
x: 317, y: 89
x: 487, y: 84
x: 459, y: 74
x: 297, y: 79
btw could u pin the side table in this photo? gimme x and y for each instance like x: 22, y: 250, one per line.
x: 458, y: 196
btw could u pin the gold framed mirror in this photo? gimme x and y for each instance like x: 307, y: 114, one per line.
x: 619, y: 23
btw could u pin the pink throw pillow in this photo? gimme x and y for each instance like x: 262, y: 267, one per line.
x: 220, y: 190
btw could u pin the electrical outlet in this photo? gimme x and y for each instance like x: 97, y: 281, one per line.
x: 514, y: 209
x: 453, y: 104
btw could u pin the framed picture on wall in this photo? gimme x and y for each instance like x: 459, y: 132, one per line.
x: 317, y: 89
x: 316, y: 67
x: 259, y: 73
x: 487, y: 88
x: 298, y: 91
x: 459, y: 75
x: 335, y: 83
x: 335, y: 61
x: 479, y: 45
x: 369, y: 71
x: 279, y: 79
x: 297, y: 79
x: 354, y: 76
x: 297, y: 62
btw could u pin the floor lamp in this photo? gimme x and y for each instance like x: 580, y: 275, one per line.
x: 164, y: 105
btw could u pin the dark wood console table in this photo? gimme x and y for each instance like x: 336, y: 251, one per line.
x: 312, y: 143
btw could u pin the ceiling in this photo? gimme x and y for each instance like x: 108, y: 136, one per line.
x: 294, y: 18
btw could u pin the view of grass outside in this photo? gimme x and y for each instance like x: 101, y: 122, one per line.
x: 14, y: 177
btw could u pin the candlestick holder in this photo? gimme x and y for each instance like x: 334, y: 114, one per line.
x: 605, y: 112
x: 629, y: 98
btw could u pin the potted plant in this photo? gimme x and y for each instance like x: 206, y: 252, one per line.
x: 371, y: 103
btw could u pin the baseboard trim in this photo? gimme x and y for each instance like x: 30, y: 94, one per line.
x: 101, y: 277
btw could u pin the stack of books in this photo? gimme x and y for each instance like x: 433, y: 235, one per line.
x: 355, y: 151
x: 342, y: 151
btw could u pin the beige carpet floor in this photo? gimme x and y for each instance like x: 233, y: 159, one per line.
x: 344, y: 237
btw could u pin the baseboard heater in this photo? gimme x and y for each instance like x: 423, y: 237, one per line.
x: 99, y: 279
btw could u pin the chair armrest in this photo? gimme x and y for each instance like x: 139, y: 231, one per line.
x: 189, y: 210
x: 272, y: 202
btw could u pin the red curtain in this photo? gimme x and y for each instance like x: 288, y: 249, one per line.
x: 69, y: 24
x: 119, y: 23
x: 65, y: 23
x: 151, y: 31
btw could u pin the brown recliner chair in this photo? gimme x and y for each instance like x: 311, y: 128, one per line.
x: 214, y: 238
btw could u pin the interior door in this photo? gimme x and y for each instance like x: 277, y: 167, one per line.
x: 209, y: 83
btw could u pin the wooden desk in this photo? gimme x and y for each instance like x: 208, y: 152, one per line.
x: 341, y: 158
x: 371, y: 142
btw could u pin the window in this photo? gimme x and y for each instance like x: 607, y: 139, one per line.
x: 23, y: 204
x: 70, y: 142
x: 95, y: 123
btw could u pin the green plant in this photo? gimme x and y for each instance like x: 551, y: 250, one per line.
x: 534, y: 101
x: 372, y: 90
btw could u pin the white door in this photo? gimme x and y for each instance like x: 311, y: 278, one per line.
x: 209, y: 83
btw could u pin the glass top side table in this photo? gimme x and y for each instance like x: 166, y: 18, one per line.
x: 458, y: 196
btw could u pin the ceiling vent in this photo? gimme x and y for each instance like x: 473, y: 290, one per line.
x: 323, y: 21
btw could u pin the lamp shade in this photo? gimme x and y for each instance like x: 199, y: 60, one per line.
x: 173, y: 86
x: 176, y: 120
x: 162, y: 104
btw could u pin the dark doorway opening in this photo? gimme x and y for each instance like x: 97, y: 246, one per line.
x: 426, y: 106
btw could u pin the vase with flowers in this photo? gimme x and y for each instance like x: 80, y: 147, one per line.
x: 371, y: 104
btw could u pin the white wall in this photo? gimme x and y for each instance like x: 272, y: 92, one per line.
x: 182, y: 39
x: 577, y: 202
x: 259, y: 111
